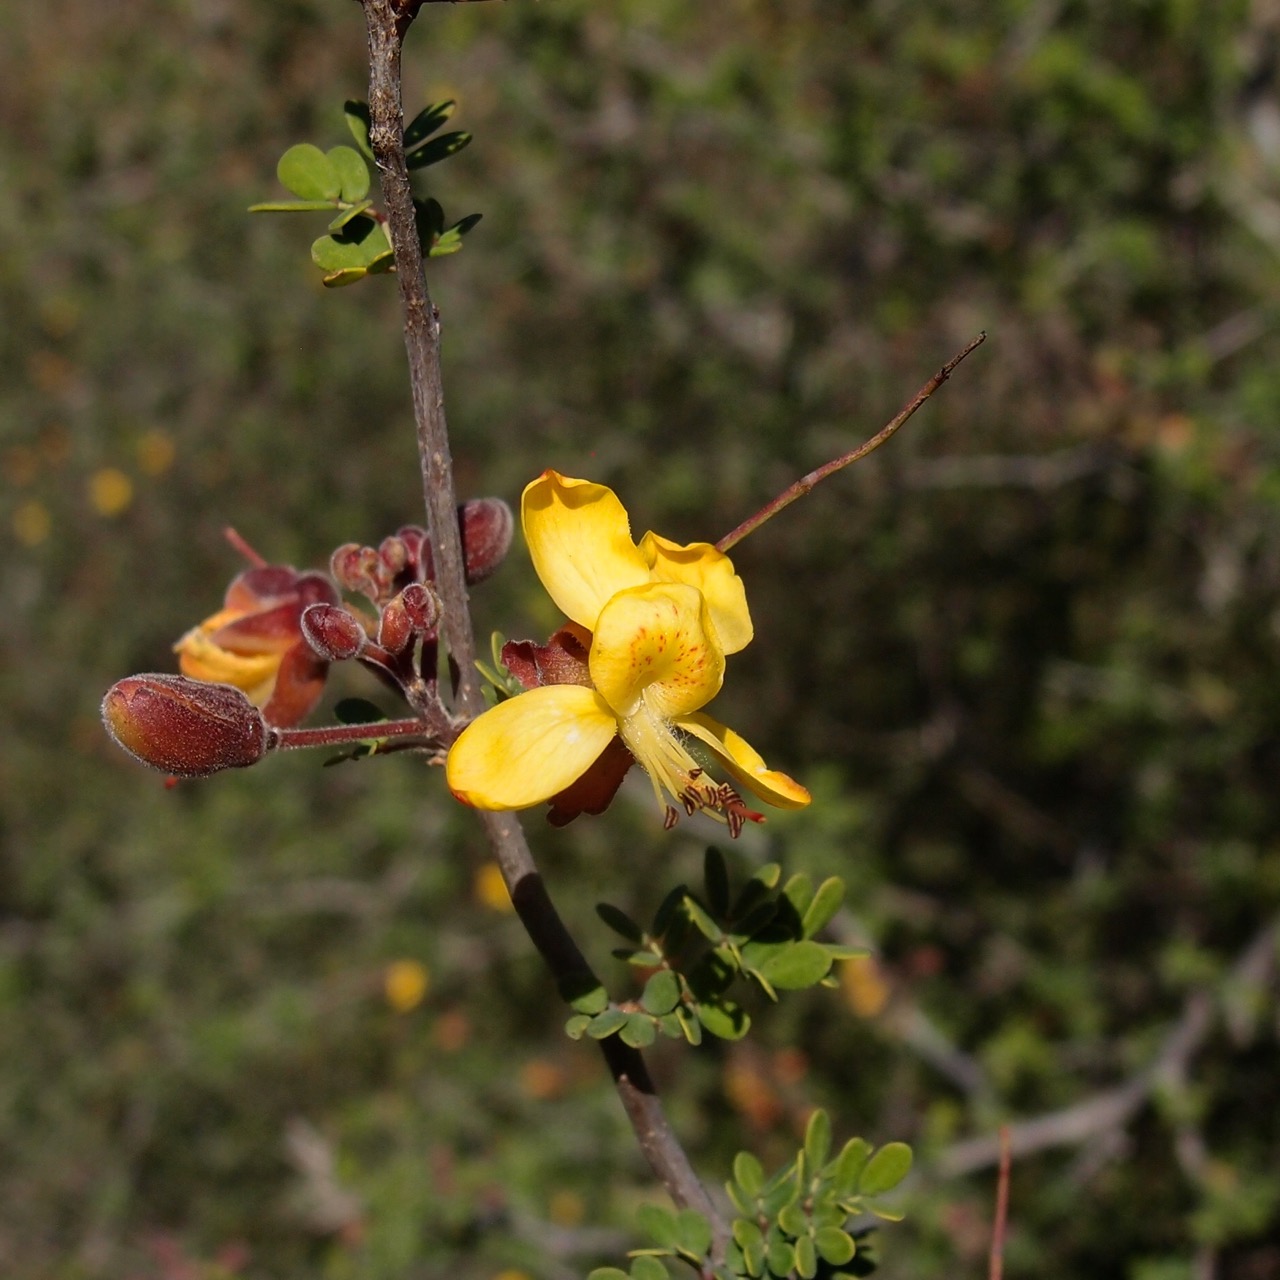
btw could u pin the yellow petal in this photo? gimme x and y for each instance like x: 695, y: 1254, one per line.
x: 529, y: 748
x: 201, y: 659
x: 745, y: 763
x: 711, y: 571
x: 580, y: 541
x: 656, y: 641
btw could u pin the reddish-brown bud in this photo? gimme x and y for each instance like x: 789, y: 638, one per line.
x: 395, y: 627
x: 183, y: 726
x: 422, y: 605
x: 487, y: 526
x: 362, y: 570
x: 333, y: 632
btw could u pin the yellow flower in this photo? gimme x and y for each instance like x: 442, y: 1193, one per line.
x: 655, y: 621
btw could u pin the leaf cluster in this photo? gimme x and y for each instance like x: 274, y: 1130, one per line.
x: 697, y: 949
x: 337, y: 181
x: 796, y: 1223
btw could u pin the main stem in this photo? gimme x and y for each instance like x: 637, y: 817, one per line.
x: 386, y: 28
x: 387, y: 23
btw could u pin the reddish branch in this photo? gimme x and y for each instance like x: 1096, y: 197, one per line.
x: 807, y: 483
x: 387, y: 22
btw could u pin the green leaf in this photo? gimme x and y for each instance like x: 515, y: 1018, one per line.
x: 849, y: 1165
x: 705, y: 924
x: 690, y: 1025
x: 694, y: 1233
x: 671, y: 1026
x: 825, y: 902
x: 437, y: 149
x: 582, y: 993
x: 885, y: 1169
x: 353, y: 173
x: 363, y: 244
x: 357, y: 117
x: 715, y: 875
x: 817, y: 1139
x: 606, y: 1023
x: 835, y: 1246
x: 886, y: 1215
x: 347, y: 215
x: 575, y: 1028
x: 741, y: 1203
x: 619, y: 922
x: 639, y: 1031
x: 292, y: 206
x: 781, y: 1257
x: 661, y: 993
x: 606, y: 1273
x: 644, y: 1268
x: 451, y: 241
x: 800, y: 965
x: 793, y: 1220
x: 750, y: 1239
x: 426, y: 122
x: 659, y: 1225
x: 357, y: 711
x: 806, y: 1258
x: 798, y: 891
x: 666, y: 910
x: 748, y: 1173
x: 309, y: 173
x: 725, y: 1020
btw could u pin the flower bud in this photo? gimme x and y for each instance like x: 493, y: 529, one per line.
x: 183, y: 726
x: 332, y: 631
x: 422, y: 605
x: 487, y: 525
x: 395, y: 628
x: 361, y: 570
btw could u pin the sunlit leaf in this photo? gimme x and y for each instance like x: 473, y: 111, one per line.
x: 885, y: 1169
x: 352, y: 171
x: 309, y: 173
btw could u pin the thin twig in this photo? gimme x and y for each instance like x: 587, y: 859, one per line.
x: 1112, y: 1109
x: 387, y: 23
x: 814, y: 478
x: 995, y: 1267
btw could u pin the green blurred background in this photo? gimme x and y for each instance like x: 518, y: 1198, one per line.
x: 1025, y: 657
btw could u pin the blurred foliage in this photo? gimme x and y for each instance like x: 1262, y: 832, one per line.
x: 1025, y: 657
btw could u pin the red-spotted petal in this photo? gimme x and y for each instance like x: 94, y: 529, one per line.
x: 656, y: 641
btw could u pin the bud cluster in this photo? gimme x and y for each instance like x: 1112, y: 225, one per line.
x: 254, y: 669
x: 400, y: 643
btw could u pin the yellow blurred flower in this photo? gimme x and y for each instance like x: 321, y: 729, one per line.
x: 566, y: 1208
x: 110, y: 491
x: 491, y: 889
x: 32, y: 523
x: 155, y: 452
x: 406, y: 983
x: 866, y: 991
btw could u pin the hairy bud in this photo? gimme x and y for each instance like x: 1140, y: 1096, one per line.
x: 487, y: 526
x: 422, y: 605
x: 332, y: 631
x: 186, y: 727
